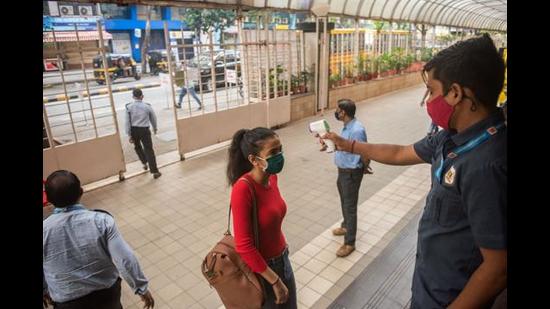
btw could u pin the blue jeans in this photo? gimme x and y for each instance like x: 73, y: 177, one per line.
x: 281, y: 266
x: 183, y: 92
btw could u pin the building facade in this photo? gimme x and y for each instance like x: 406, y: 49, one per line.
x: 124, y: 28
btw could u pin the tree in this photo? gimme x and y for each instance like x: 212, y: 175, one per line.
x: 145, y: 45
x: 402, y: 26
x: 378, y: 25
x: 205, y: 20
x: 423, y: 30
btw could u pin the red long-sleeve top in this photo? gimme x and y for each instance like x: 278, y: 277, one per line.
x: 271, y: 211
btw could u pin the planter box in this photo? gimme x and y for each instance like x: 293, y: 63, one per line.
x: 302, y: 106
x: 373, y: 88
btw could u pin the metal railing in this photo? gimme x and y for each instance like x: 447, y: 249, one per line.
x: 75, y: 120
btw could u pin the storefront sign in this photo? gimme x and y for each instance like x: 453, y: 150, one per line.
x: 68, y: 23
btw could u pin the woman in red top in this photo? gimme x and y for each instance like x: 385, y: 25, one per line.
x: 257, y: 156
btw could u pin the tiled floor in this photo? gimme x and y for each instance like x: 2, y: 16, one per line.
x: 172, y: 222
x: 385, y: 283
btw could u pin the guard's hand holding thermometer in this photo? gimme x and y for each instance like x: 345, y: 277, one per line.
x: 320, y: 128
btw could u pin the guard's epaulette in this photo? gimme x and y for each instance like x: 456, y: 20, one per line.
x: 103, y: 211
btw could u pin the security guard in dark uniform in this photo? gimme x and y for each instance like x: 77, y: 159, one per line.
x: 139, y: 116
x: 462, y: 246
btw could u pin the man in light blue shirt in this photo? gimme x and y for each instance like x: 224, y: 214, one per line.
x: 350, y: 174
x: 84, y: 253
x: 139, y: 116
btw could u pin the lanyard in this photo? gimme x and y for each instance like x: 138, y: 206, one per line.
x: 68, y: 209
x: 473, y: 143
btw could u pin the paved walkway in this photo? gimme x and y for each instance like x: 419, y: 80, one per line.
x: 172, y: 222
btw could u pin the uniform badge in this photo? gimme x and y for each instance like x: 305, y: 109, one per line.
x: 450, y: 176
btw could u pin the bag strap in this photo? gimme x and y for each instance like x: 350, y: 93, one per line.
x: 254, y: 214
x: 254, y: 226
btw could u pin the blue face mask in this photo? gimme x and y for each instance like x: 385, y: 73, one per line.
x: 274, y: 164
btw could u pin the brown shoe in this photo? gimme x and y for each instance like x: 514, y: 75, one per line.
x: 339, y: 231
x: 345, y: 250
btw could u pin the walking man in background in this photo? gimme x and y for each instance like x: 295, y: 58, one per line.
x: 139, y: 116
x: 186, y: 85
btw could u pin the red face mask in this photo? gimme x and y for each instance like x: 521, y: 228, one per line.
x: 440, y: 112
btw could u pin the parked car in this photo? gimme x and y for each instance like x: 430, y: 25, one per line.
x: 204, y: 63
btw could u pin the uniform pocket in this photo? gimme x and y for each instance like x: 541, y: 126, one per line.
x: 449, y: 210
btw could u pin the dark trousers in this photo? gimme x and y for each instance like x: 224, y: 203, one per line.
x: 105, y: 299
x: 144, y: 147
x: 349, y: 181
x: 281, y: 266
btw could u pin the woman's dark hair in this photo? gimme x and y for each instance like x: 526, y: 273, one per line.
x: 63, y: 188
x: 475, y: 64
x: 245, y: 142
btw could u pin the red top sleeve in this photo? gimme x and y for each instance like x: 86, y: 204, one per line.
x: 241, y: 207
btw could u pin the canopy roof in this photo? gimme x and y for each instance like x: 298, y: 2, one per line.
x: 473, y: 14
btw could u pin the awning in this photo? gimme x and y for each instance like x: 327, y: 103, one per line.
x: 70, y: 36
x: 470, y: 14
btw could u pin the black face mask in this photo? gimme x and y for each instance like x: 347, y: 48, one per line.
x: 336, y: 115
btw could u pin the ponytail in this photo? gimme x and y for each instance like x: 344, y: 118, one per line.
x: 244, y: 143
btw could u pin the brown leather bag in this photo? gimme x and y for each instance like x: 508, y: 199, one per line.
x: 223, y: 268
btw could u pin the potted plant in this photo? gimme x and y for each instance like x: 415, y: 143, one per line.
x: 408, y: 63
x: 385, y: 64
x: 334, y: 80
x: 281, y: 83
x: 426, y: 54
x: 305, y: 77
x: 294, y: 84
x: 348, y: 76
x: 361, y: 67
x: 368, y: 72
x: 375, y: 64
x: 393, y: 63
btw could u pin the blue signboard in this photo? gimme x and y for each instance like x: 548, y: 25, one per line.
x: 67, y: 23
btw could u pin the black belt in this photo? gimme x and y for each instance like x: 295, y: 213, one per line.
x: 351, y: 170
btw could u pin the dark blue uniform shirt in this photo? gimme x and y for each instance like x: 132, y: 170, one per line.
x: 464, y: 211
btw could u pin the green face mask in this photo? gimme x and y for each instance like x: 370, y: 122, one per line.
x: 275, y: 163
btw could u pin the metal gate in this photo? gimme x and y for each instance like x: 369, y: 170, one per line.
x: 81, y: 133
x: 239, y: 85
